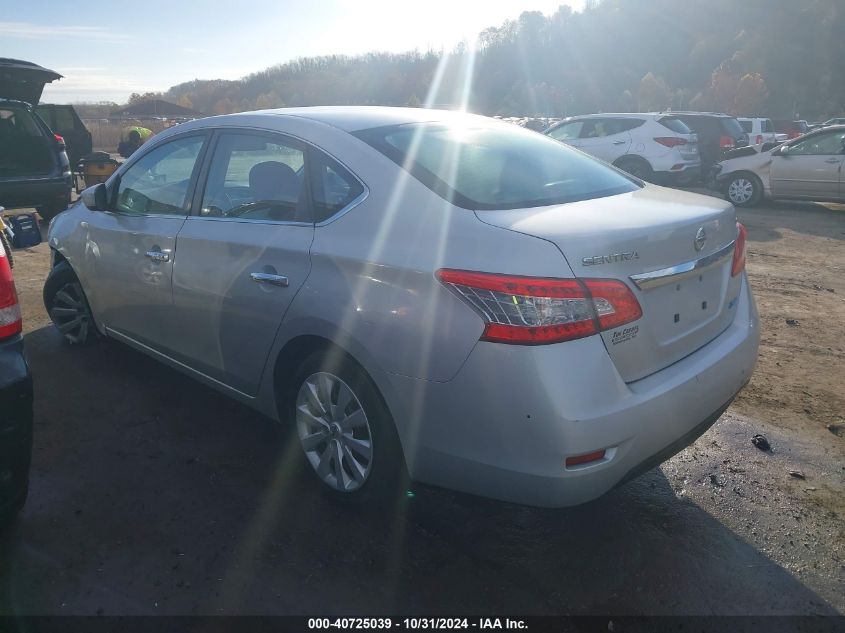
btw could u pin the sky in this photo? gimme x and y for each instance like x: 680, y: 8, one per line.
x: 107, y: 50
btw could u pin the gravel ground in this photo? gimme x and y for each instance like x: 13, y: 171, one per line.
x: 152, y: 494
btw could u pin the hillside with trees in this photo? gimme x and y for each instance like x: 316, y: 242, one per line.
x: 777, y: 58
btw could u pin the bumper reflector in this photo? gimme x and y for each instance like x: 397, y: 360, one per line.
x: 578, y: 460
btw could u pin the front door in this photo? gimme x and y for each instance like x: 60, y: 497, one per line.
x: 811, y: 168
x: 607, y: 139
x: 243, y: 257
x: 131, y: 248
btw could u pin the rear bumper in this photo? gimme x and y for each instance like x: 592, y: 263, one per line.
x: 36, y: 192
x: 15, y: 425
x: 504, y: 426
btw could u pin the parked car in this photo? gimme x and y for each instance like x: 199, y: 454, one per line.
x: 837, y: 121
x: 653, y: 147
x: 759, y: 131
x: 422, y: 292
x: 65, y: 122
x: 787, y: 130
x: 717, y: 134
x: 806, y: 168
x: 34, y: 167
x: 15, y: 400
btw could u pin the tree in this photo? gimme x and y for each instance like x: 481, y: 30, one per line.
x: 750, y: 96
x: 654, y: 93
x: 185, y: 102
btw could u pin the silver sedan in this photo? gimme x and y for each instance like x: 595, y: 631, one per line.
x: 419, y: 294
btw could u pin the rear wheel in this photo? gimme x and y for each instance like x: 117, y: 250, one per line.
x: 345, y: 431
x: 743, y: 189
x: 67, y: 306
x: 637, y: 167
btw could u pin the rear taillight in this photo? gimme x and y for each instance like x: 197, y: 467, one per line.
x: 539, y: 310
x: 793, y: 135
x: 739, y: 250
x: 759, y: 139
x: 671, y: 141
x: 727, y: 142
x: 10, y: 311
x: 60, y: 140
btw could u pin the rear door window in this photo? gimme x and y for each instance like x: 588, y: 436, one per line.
x: 333, y: 188
x: 767, y: 126
x: 256, y: 177
x: 746, y: 126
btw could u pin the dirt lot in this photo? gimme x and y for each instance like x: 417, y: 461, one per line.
x: 152, y: 494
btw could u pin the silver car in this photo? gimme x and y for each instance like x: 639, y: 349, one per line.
x: 420, y: 294
x: 806, y: 168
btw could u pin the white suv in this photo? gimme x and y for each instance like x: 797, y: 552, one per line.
x: 651, y: 146
x: 759, y: 130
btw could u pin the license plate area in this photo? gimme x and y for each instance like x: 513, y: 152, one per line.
x: 682, y: 307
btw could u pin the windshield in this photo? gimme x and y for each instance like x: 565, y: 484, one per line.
x: 478, y: 167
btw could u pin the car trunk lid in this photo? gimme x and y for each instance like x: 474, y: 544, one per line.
x: 23, y: 81
x: 673, y: 249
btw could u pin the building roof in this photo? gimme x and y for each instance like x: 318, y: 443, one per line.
x: 154, y: 108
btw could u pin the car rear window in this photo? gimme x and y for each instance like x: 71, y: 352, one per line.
x: 732, y: 127
x: 495, y: 167
x: 767, y: 125
x: 675, y: 124
x: 746, y: 126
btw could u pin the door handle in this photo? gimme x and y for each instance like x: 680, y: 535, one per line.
x: 618, y: 142
x: 273, y: 280
x: 158, y: 256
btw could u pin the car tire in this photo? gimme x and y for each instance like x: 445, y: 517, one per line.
x: 637, y: 167
x: 743, y: 189
x: 68, y: 307
x: 7, y: 248
x: 343, y: 431
x: 47, y: 213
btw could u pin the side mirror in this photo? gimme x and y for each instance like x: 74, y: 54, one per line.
x: 96, y: 198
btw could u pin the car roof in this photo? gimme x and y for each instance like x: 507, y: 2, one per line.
x: 356, y: 118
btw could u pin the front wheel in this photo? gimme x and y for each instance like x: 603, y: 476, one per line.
x: 345, y: 431
x: 743, y: 189
x: 68, y: 307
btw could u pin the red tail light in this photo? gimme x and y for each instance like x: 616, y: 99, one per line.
x: 727, y: 142
x: 539, y: 310
x: 759, y: 139
x: 739, y: 250
x: 585, y: 459
x: 60, y: 140
x: 10, y: 311
x: 671, y: 141
x: 793, y: 135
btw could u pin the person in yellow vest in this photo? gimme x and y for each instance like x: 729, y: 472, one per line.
x: 131, y: 139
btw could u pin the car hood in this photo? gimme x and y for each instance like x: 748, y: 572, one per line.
x: 23, y: 81
x: 748, y: 161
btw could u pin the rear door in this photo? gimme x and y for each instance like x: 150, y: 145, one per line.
x: 131, y: 248
x: 243, y: 256
x: 811, y: 169
x: 605, y: 138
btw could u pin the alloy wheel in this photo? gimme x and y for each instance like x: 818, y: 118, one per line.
x: 69, y: 311
x: 334, y: 432
x: 741, y: 190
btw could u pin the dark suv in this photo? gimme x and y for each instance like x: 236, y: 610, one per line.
x: 34, y: 167
x: 65, y: 122
x: 717, y: 134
